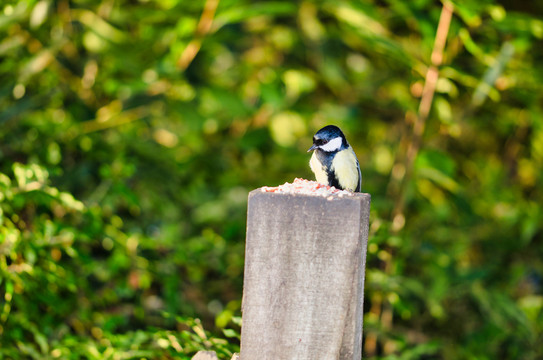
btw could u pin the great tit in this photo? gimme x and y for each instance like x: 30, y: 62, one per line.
x: 334, y: 161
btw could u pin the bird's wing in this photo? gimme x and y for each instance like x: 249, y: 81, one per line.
x: 359, y: 187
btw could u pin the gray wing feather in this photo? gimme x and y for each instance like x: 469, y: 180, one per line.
x: 359, y: 187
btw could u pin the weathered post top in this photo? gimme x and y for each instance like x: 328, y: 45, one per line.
x: 304, y: 276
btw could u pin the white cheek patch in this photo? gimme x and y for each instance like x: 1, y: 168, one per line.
x: 332, y: 145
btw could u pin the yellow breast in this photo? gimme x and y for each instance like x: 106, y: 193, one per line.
x: 346, y: 169
x: 317, y: 168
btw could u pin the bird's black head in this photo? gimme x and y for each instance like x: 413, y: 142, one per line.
x: 329, y: 139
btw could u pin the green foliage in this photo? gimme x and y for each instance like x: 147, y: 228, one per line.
x: 132, y: 132
x: 65, y: 296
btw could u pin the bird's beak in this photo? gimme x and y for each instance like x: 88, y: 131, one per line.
x: 313, y: 147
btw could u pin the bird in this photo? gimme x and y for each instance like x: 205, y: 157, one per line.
x: 334, y: 161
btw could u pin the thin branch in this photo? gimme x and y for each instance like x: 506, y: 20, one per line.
x: 204, y: 25
x: 402, y: 171
x: 425, y: 105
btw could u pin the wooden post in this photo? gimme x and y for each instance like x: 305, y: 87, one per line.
x: 303, y: 287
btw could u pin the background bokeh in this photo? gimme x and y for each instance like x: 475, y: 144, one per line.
x: 132, y: 131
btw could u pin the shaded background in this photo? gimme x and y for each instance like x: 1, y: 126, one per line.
x: 132, y: 131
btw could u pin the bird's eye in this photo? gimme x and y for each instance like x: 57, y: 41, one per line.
x: 324, y: 142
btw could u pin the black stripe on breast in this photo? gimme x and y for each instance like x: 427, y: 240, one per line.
x: 325, y: 159
x: 333, y: 181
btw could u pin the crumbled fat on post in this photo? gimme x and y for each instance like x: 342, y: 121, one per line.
x: 307, y: 187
